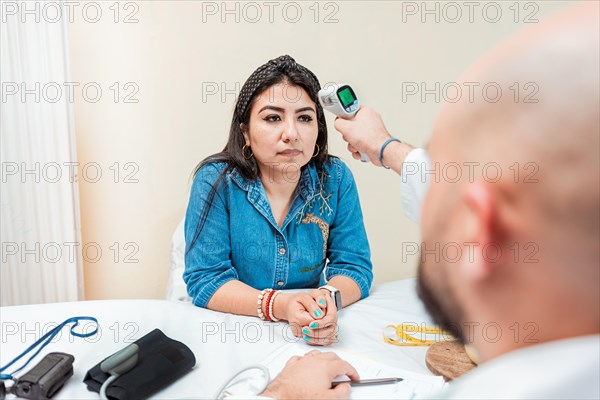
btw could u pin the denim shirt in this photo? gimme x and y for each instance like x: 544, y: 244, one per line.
x: 322, y: 236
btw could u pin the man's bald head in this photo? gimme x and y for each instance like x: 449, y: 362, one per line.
x: 547, y: 118
x: 536, y: 182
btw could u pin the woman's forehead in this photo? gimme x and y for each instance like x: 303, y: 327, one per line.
x: 284, y: 95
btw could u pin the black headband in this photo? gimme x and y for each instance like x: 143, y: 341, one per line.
x: 284, y: 64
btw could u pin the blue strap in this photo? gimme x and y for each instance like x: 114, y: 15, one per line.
x: 383, y: 146
x: 44, y: 340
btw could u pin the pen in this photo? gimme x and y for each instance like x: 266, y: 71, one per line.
x: 366, y: 382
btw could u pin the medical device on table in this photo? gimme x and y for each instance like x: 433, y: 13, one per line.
x: 49, y: 375
x: 341, y: 100
x: 142, y: 368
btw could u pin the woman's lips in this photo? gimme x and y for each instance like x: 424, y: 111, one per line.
x: 290, y: 152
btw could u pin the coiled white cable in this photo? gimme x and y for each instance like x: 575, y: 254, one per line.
x: 222, y: 392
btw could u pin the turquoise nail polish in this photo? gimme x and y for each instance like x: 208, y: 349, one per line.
x: 306, y: 338
x: 318, y: 313
x: 314, y: 325
x: 305, y: 331
x: 322, y: 302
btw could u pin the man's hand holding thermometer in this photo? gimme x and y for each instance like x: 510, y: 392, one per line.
x: 341, y: 100
x: 362, y: 128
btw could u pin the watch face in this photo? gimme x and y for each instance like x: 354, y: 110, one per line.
x: 337, y: 298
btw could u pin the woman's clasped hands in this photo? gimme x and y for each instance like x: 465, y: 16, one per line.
x: 312, y: 315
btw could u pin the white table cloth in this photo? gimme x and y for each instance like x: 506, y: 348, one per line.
x: 222, y: 343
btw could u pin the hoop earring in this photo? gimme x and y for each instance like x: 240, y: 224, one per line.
x: 318, y: 150
x: 244, y: 152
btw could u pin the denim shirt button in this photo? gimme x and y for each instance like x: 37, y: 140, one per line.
x: 280, y: 283
x: 282, y: 251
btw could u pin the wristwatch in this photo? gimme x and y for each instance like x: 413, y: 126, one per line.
x: 336, y: 295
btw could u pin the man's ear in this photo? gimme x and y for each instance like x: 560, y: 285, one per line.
x: 244, y: 129
x: 478, y: 262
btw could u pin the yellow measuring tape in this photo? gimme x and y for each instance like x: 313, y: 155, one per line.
x: 403, y: 335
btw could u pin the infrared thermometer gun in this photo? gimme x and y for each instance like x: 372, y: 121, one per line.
x: 341, y: 100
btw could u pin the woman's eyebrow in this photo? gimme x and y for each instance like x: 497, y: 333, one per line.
x: 279, y: 109
x: 306, y: 109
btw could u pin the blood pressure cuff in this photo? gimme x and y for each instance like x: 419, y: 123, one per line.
x: 161, y: 361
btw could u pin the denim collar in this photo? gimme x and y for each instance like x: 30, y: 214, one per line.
x: 308, y: 186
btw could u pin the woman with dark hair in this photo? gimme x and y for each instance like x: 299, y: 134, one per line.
x: 275, y: 211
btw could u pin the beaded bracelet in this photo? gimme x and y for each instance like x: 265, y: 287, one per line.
x: 270, y: 305
x: 268, y: 311
x: 261, y: 295
x: 383, y: 146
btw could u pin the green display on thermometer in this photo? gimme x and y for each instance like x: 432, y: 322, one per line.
x: 346, y: 97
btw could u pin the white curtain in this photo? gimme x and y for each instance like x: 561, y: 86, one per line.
x: 41, y: 245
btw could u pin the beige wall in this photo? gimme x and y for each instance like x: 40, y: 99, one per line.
x: 170, y: 53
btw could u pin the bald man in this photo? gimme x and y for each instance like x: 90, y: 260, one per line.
x: 529, y: 233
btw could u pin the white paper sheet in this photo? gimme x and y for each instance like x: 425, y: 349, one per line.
x: 414, y: 385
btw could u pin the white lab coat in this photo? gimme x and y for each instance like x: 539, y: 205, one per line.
x: 415, y: 183
x: 562, y: 369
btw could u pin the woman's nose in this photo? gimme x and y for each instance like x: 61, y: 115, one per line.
x: 290, y: 133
